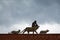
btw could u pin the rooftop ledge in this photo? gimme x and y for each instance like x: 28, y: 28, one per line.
x: 29, y: 36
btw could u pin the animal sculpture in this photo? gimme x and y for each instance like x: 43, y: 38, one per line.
x: 15, y: 32
x: 44, y: 31
x: 31, y: 29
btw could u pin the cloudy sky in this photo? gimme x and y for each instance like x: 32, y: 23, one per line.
x: 19, y: 14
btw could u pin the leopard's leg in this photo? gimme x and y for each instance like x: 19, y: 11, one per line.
x: 28, y: 32
x: 33, y: 32
x: 36, y: 32
x: 24, y: 32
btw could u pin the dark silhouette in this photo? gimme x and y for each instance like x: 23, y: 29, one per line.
x: 14, y: 32
x: 44, y: 32
x: 31, y: 29
x: 34, y: 23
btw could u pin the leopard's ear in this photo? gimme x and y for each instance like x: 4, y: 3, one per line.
x: 47, y: 30
x: 19, y: 29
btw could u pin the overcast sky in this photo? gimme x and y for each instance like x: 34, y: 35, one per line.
x: 18, y: 14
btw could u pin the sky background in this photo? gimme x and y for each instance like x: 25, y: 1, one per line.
x: 19, y: 14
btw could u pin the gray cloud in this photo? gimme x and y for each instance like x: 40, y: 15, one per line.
x: 14, y: 11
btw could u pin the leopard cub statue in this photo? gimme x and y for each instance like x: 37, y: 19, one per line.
x: 14, y: 32
x: 44, y: 31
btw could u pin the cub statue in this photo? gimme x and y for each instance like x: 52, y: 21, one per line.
x: 44, y: 31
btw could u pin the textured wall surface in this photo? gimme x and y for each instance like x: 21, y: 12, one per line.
x: 29, y: 36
